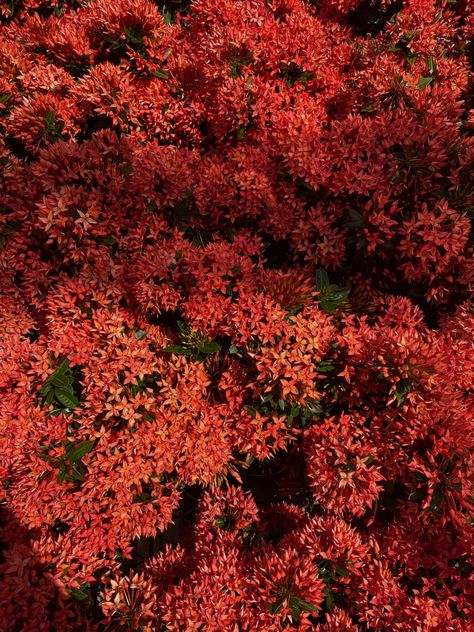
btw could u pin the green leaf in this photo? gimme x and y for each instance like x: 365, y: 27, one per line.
x: 330, y: 603
x: 167, y: 54
x: 43, y: 453
x: 77, y: 452
x: 134, y: 35
x: 341, y: 571
x: 140, y: 335
x: 167, y: 15
x: 76, y: 476
x: 46, y: 387
x: 49, y: 118
x: 233, y: 350
x: 209, y: 347
x: 77, y: 594
x: 276, y: 606
x: 299, y: 604
x: 322, y: 279
x: 160, y: 73
x: 68, y: 389
x: 437, y: 498
x: 424, y: 81
x: 61, y: 371
x: 368, y: 107
x: 178, y: 349
x: 183, y: 328
x: 306, y: 75
x: 332, y: 297
x: 63, y: 367
x: 61, y: 380
x: 126, y: 169
x: 241, y: 131
x: 356, y: 219
x: 107, y: 240
x: 431, y: 65
x: 66, y: 398
x: 49, y: 398
x: 61, y: 476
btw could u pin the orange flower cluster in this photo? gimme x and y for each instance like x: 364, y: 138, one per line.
x: 236, y: 315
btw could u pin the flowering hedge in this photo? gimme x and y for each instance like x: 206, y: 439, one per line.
x: 236, y: 273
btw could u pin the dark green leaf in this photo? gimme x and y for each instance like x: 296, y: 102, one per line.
x: 77, y: 594
x: 46, y: 388
x: 424, y: 81
x: 330, y: 603
x: 431, y: 65
x: 62, y: 368
x: 341, y: 571
x: 437, y: 498
x: 178, y: 349
x: 368, y: 107
x: 160, y: 73
x: 43, y: 453
x: 167, y: 15
x: 49, y: 118
x: 75, y: 476
x: 209, y: 347
x: 356, y: 219
x: 107, y: 240
x: 49, y: 398
x: 127, y: 169
x: 276, y: 606
x: 322, y: 279
x: 61, y: 477
x: 77, y: 452
x: 66, y: 398
x: 306, y: 75
x: 306, y: 605
x: 61, y: 380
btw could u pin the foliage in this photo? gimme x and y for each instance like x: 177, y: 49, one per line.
x: 236, y: 315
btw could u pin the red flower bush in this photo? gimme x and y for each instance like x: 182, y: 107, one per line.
x: 236, y: 274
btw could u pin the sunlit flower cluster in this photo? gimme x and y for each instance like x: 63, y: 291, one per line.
x: 236, y: 315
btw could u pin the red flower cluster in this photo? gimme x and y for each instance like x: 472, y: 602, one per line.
x: 236, y: 315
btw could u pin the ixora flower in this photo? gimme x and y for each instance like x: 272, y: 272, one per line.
x: 236, y: 315
x: 342, y: 466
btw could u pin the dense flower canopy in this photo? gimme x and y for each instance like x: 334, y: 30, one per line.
x: 236, y: 315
